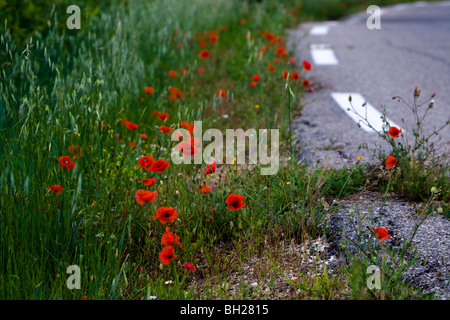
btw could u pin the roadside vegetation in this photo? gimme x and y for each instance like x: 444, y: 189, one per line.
x: 86, y: 176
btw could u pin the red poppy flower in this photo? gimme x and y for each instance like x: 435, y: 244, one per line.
x: 66, y: 162
x: 213, y: 38
x: 155, y: 113
x: 163, y: 116
x: 221, y: 93
x: 75, y: 150
x: 184, y: 124
x: 306, y: 65
x: 175, y: 93
x: 184, y: 71
x: 281, y: 52
x: 210, y: 168
x: 149, y: 90
x: 142, y: 196
x: 235, y: 202
x: 271, y: 68
x: 256, y: 78
x: 167, y: 254
x: 188, y: 149
x: 305, y: 82
x: 172, y: 74
x: 123, y: 121
x: 201, y: 70
x: 143, y: 136
x: 148, y: 182
x: 292, y: 60
x: 295, y: 76
x: 243, y: 21
x: 165, y: 214
x: 381, y: 233
x: 277, y: 60
x: 133, y: 144
x: 189, y: 266
x: 84, y: 298
x: 252, y: 84
x: 204, y: 54
x: 191, y: 128
x: 391, y: 161
x: 131, y: 125
x: 165, y: 129
x: 269, y: 36
x: 285, y: 74
x: 145, y: 162
x: 204, y: 188
x: 195, y: 141
x: 201, y: 43
x: 56, y: 188
x: 394, y: 132
x: 170, y: 239
x: 159, y: 166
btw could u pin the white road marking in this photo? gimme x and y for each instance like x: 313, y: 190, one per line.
x: 323, y: 55
x: 319, y: 30
x: 372, y: 114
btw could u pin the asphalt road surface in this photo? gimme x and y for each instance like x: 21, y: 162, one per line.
x: 412, y: 48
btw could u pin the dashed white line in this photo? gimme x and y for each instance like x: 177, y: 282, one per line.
x: 319, y: 30
x: 323, y: 55
x: 372, y: 114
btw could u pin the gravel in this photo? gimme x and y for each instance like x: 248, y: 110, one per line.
x: 431, y: 271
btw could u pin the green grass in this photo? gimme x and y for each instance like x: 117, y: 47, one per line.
x: 64, y: 87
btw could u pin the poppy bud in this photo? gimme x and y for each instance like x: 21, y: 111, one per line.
x: 350, y: 98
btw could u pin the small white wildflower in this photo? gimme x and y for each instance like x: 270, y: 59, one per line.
x: 169, y: 282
